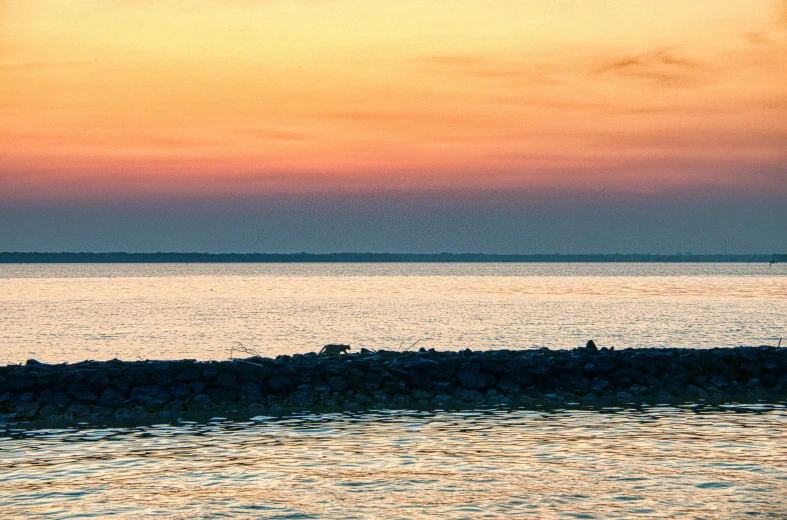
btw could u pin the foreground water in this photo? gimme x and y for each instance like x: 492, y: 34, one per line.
x: 72, y: 312
x: 659, y: 462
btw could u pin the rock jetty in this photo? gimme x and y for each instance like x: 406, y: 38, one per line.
x: 96, y: 391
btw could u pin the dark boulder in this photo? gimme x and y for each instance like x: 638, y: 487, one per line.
x: 20, y: 384
x: 209, y: 373
x: 622, y: 376
x: 122, y: 384
x: 181, y: 390
x: 220, y: 394
x: 251, y: 392
x: 111, y: 398
x: 476, y: 380
x: 227, y: 380
x: 510, y: 384
x: 338, y: 383
x: 280, y: 384
x: 149, y: 395
x: 82, y: 392
x: 143, y: 374
x: 164, y: 378
x: 54, y: 397
x: 187, y: 375
x: 97, y: 379
x: 605, y: 363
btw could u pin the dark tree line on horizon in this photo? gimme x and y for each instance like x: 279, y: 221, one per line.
x: 120, y: 257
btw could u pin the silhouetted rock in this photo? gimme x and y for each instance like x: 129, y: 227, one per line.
x: 280, y: 384
x: 427, y: 378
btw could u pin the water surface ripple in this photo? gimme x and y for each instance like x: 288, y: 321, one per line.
x: 73, y: 312
x: 658, y: 462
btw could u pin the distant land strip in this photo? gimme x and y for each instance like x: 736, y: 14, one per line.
x: 144, y: 258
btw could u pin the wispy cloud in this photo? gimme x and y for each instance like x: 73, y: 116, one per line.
x: 662, y: 66
x: 774, y: 32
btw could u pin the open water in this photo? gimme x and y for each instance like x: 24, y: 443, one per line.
x: 658, y: 462
x: 655, y: 462
x: 64, y: 312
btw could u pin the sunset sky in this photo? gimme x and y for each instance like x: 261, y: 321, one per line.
x: 136, y: 124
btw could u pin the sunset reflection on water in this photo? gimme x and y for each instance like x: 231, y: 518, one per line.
x: 659, y: 462
x: 72, y: 312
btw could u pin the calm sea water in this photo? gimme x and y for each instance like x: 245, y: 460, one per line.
x: 65, y: 312
x: 655, y: 462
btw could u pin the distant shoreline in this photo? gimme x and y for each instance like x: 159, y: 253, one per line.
x: 145, y: 258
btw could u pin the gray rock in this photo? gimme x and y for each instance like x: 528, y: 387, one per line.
x: 605, y: 363
x: 622, y: 376
x: 209, y: 373
x: 401, y: 402
x: 122, y: 384
x: 257, y: 409
x: 476, y: 380
x: 443, y: 387
x: 418, y: 394
x: 174, y: 407
x: 78, y: 410
x: 20, y: 384
x: 599, y: 385
x: 280, y: 384
x: 220, y: 395
x: 470, y: 367
x: 509, y: 384
x: 637, y: 389
x: 181, y: 390
x: 50, y: 411
x: 27, y: 411
x: 149, y: 395
x: 227, y: 380
x: 187, y: 375
x: 299, y: 399
x: 53, y: 397
x: 253, y: 391
x: 471, y: 396
x: 202, y: 402
x: 27, y: 397
x: 338, y: 383
x: 164, y: 378
x: 97, y: 379
x: 111, y: 398
x: 82, y: 392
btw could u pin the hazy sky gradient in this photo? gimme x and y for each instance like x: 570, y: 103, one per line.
x: 322, y: 125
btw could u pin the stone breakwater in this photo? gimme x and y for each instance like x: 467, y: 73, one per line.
x: 93, y: 390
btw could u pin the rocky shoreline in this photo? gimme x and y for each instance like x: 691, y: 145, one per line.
x: 102, y: 392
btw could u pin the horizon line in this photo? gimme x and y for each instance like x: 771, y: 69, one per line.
x: 369, y: 257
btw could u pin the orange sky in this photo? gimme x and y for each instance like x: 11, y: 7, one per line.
x: 130, y: 98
